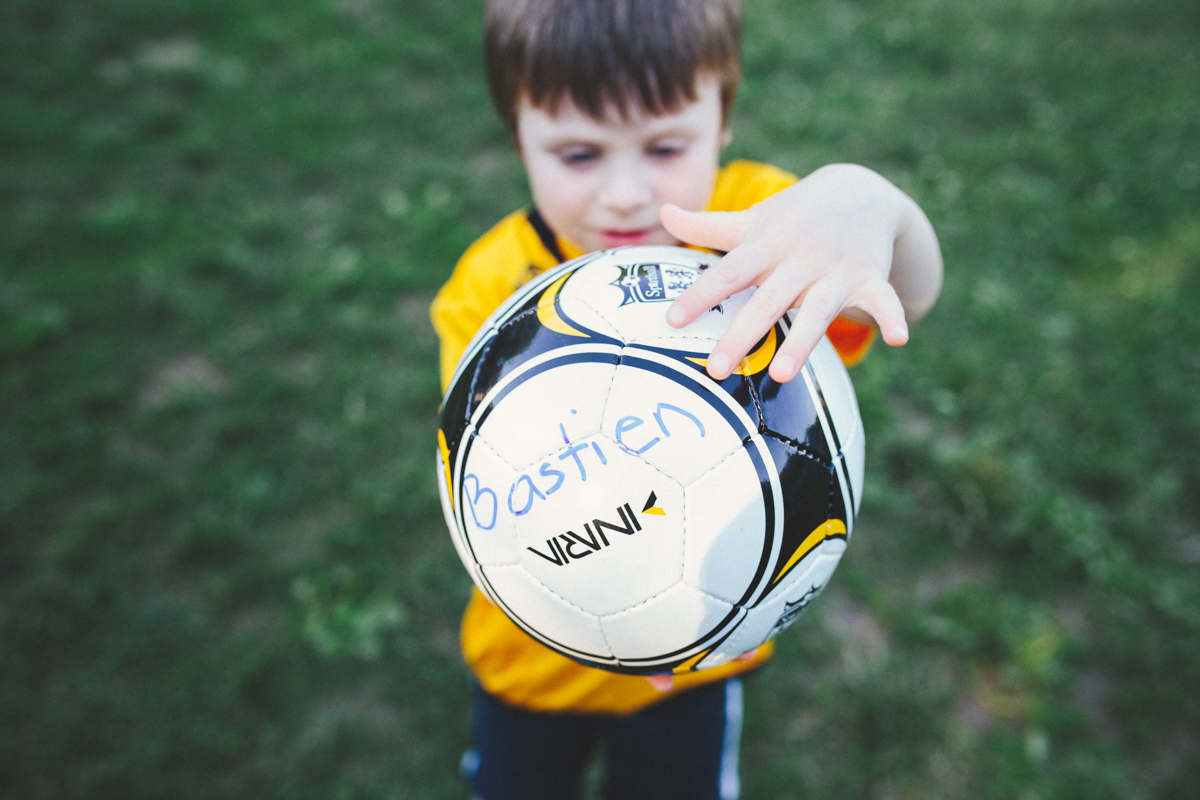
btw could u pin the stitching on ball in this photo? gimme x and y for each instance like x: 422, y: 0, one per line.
x: 758, y: 409
x: 803, y: 450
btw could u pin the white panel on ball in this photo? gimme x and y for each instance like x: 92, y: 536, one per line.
x: 490, y: 532
x: 666, y: 423
x: 700, y: 335
x: 839, y: 393
x: 725, y: 528
x: 784, y: 605
x: 673, y: 620
x: 634, y: 290
x: 522, y: 438
x: 592, y: 540
x: 854, y: 451
x: 814, y: 571
x: 460, y: 546
x: 545, y: 612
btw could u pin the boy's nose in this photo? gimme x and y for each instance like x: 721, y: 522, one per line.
x: 626, y: 191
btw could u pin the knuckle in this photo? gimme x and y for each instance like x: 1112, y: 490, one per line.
x: 772, y: 301
x: 729, y: 272
x: 825, y: 294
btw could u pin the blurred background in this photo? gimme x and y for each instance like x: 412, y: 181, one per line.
x: 223, y: 567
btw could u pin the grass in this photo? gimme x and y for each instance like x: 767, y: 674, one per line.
x: 223, y: 571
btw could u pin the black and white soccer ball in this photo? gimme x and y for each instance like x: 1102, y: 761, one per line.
x: 622, y: 507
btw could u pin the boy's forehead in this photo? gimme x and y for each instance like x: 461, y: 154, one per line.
x: 567, y: 118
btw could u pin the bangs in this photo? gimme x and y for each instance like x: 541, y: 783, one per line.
x: 605, y: 54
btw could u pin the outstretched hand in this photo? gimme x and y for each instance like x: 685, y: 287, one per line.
x: 826, y: 245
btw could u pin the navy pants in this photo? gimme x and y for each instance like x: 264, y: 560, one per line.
x: 684, y: 747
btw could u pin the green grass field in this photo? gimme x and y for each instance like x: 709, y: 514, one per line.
x: 223, y: 569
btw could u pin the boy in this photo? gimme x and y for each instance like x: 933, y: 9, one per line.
x: 618, y: 110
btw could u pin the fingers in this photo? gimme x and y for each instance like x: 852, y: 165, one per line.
x: 719, y: 230
x: 733, y: 273
x: 665, y: 682
x: 661, y: 683
x: 822, y: 302
x: 768, y: 303
x: 883, y: 304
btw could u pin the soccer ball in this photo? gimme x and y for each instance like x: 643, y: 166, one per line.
x: 622, y: 507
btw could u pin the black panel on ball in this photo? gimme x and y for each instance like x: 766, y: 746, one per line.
x: 456, y: 407
x: 811, y: 495
x: 788, y: 410
x: 739, y: 388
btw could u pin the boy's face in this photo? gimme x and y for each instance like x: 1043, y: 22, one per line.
x: 601, y: 183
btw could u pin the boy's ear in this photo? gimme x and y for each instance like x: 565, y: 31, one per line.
x: 726, y: 136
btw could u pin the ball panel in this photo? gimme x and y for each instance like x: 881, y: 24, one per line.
x: 460, y: 546
x: 837, y: 390
x: 522, y: 299
x: 610, y: 537
x: 670, y: 622
x: 855, y: 457
x: 458, y: 404
x: 541, y: 611
x: 791, y: 411
x: 562, y: 416
x: 802, y: 589
x: 697, y: 338
x: 565, y: 307
x: 634, y: 289
x: 830, y: 385
x: 489, y: 533
x: 665, y: 420
x: 726, y: 529
x: 518, y: 342
x: 811, y: 499
x: 771, y: 617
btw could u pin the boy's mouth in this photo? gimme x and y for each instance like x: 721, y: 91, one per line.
x: 626, y: 238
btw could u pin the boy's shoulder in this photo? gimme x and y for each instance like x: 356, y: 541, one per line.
x: 516, y: 246
x: 741, y: 183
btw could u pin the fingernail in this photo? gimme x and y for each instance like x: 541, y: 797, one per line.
x: 675, y: 317
x: 785, y: 366
x: 719, y: 365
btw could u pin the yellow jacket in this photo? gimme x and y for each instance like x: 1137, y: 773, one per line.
x: 506, y: 662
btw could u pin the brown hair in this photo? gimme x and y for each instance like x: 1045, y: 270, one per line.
x: 598, y: 52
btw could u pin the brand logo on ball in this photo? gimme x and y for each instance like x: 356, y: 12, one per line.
x: 570, y: 546
x: 654, y: 283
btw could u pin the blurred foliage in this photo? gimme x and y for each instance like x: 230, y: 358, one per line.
x: 223, y: 571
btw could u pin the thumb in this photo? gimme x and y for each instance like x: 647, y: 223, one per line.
x: 719, y: 230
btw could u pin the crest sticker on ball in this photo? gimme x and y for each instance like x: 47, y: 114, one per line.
x: 654, y: 283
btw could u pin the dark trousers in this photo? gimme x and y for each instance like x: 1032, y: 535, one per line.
x: 684, y: 747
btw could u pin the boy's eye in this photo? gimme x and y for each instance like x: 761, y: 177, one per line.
x: 578, y: 156
x: 664, y: 150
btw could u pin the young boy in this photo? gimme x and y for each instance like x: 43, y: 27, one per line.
x: 618, y: 110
